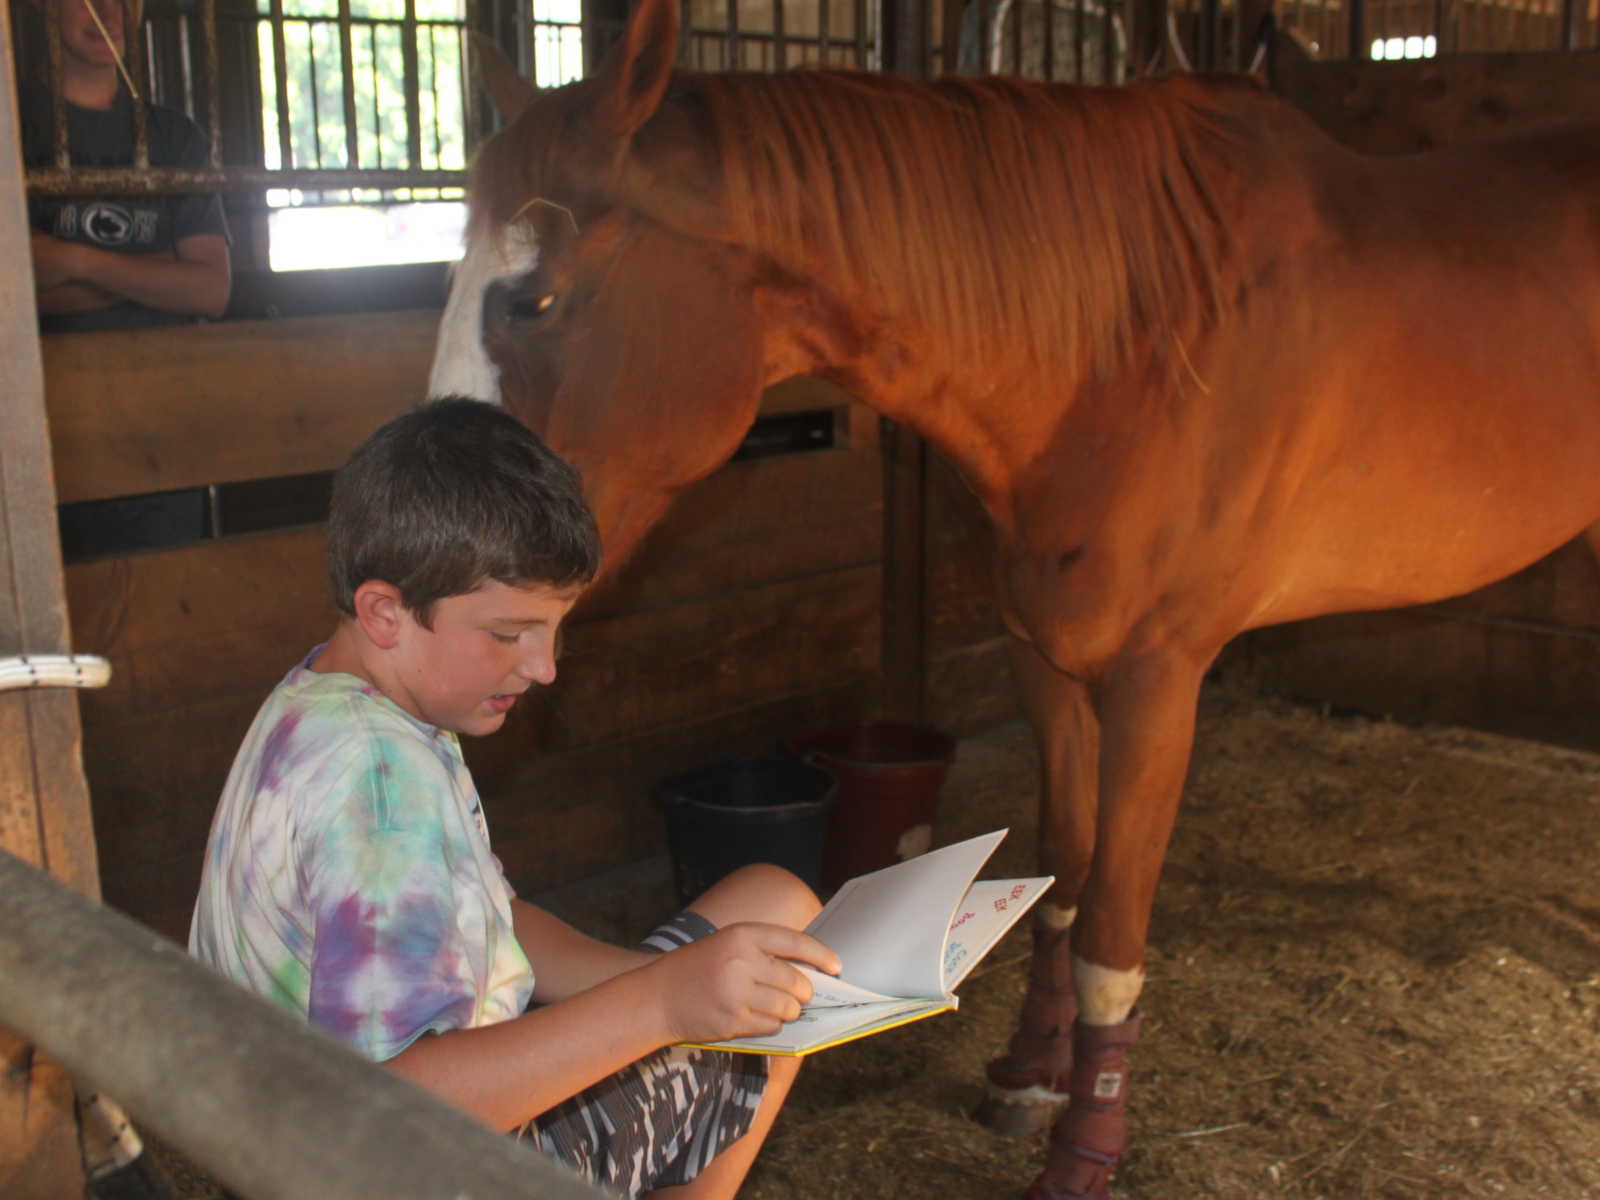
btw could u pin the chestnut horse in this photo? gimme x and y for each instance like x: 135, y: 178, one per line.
x: 1205, y: 369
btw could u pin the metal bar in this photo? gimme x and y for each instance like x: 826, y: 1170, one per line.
x: 903, y: 43
x: 315, y: 90
x: 377, y: 110
x: 353, y: 1130
x: 433, y: 90
x: 58, y: 101
x: 166, y: 181
x: 347, y: 86
x: 730, y: 49
x: 280, y: 72
x: 208, y: 36
x: 1048, y: 67
x: 863, y: 55
x: 1016, y: 34
x: 1358, y: 29
x: 1078, y: 40
x: 780, y: 38
x: 1108, y: 43
x: 824, y: 9
x: 136, y: 37
x: 408, y: 52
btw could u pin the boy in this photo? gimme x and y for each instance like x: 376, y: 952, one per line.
x: 348, y: 875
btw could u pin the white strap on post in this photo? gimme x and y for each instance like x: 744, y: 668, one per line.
x: 53, y: 670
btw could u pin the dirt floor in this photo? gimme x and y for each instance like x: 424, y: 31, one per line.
x: 1374, y: 972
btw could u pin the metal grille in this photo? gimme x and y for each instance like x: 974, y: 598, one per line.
x: 1388, y: 29
x: 368, y: 99
x: 1066, y: 41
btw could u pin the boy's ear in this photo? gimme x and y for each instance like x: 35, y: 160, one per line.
x: 380, y: 612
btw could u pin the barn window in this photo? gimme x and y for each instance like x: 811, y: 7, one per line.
x: 362, y: 85
x: 1405, y: 47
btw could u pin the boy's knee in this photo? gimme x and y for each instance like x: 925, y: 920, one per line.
x: 760, y: 892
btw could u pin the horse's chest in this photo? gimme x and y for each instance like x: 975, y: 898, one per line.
x: 1092, y: 553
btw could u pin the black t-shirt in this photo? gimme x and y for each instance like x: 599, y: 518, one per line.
x: 124, y: 224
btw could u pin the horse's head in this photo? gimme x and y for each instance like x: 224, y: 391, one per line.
x: 594, y: 299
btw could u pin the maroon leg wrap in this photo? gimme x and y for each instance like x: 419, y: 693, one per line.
x: 1089, y: 1137
x: 1027, y: 1084
x: 1040, y: 1053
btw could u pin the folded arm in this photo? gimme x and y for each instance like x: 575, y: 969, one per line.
x: 71, y: 277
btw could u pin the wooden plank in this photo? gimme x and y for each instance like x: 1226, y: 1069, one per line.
x: 905, y: 556
x: 151, y: 410
x: 44, y: 804
x: 739, y: 528
x: 228, y: 616
x: 970, y: 688
x: 962, y: 608
x: 1422, y: 665
x: 1395, y: 107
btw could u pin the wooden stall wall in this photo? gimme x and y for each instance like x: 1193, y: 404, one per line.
x: 750, y: 615
x: 1522, y: 656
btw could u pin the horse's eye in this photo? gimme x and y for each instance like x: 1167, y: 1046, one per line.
x: 526, y: 309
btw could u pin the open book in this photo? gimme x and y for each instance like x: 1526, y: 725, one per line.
x: 905, y: 936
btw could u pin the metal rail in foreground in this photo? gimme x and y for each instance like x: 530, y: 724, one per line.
x: 264, y: 1102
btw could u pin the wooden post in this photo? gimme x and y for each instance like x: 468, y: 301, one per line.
x: 44, y: 802
x: 905, y: 462
x: 254, y: 1095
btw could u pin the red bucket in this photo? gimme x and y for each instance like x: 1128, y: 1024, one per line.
x: 889, y: 778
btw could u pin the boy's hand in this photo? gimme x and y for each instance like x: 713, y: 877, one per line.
x: 738, y: 982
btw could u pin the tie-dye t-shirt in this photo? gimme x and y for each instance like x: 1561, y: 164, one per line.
x: 349, y: 877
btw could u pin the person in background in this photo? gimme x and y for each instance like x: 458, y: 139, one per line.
x: 114, y: 261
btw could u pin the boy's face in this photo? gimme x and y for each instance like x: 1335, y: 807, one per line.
x: 81, y: 38
x: 485, y: 649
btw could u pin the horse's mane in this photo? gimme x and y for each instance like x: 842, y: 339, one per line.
x: 1082, y: 220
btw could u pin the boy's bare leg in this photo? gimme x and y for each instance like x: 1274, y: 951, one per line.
x: 721, y: 1180
x: 758, y: 893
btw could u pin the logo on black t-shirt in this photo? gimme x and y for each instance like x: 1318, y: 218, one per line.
x: 106, y: 224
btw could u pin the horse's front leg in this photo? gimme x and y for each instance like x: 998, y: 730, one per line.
x: 1147, y: 712
x: 1028, y: 1084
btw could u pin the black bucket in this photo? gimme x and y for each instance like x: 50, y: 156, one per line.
x: 742, y: 811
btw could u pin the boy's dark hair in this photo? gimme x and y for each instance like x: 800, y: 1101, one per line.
x: 450, y: 495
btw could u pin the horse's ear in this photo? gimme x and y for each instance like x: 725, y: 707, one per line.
x: 509, y: 92
x: 635, y: 73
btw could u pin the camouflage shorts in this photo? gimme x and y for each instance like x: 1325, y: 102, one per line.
x: 660, y: 1121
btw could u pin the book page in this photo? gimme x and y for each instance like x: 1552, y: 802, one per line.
x: 829, y: 992
x: 989, y: 909
x: 888, y: 927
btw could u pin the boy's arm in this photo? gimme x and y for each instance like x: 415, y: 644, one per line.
x: 734, y: 983
x: 565, y: 961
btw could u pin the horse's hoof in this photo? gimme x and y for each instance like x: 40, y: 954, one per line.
x: 1020, y: 1113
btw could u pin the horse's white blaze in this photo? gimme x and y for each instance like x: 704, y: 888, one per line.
x: 1105, y: 996
x: 461, y: 366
